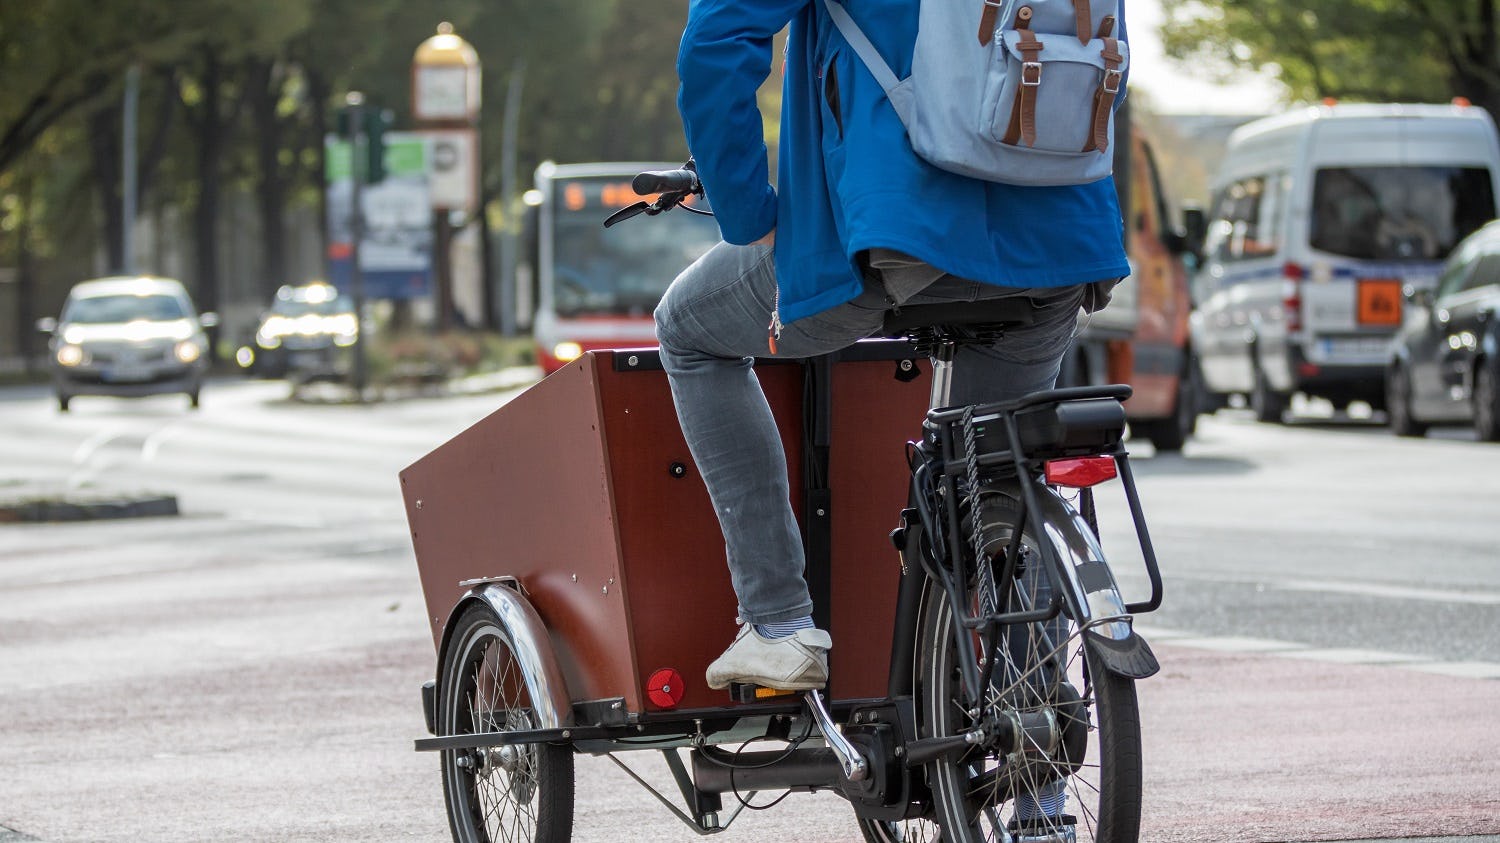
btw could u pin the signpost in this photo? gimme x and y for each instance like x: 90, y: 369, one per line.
x: 373, y: 177
x: 445, y: 103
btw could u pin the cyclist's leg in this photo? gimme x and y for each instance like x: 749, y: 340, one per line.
x: 711, y: 323
x: 1028, y: 358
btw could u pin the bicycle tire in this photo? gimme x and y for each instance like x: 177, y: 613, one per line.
x: 520, y: 792
x: 1096, y: 731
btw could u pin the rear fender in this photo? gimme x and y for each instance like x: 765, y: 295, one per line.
x: 1106, y: 622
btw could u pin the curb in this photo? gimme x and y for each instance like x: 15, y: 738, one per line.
x: 93, y: 509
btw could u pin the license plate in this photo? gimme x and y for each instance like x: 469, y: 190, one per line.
x: 1379, y: 302
x: 1354, y: 349
x: 127, y: 374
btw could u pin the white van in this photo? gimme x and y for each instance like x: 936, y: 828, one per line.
x: 1320, y: 219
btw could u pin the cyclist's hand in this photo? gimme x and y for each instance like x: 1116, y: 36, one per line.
x: 768, y: 240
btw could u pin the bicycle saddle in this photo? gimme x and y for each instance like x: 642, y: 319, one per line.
x: 1013, y: 310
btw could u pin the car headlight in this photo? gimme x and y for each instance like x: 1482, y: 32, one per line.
x: 187, y: 351
x: 245, y: 357
x: 69, y: 355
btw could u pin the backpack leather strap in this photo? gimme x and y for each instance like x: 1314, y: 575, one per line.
x: 1023, y: 112
x: 987, y: 22
x: 1104, y: 96
x: 1083, y: 15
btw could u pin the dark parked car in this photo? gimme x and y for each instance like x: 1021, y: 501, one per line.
x: 305, y: 335
x: 128, y: 337
x: 1445, y: 364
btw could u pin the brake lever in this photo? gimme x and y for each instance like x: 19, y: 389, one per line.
x: 665, y: 202
x: 626, y: 213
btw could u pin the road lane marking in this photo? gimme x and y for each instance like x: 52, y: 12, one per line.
x: 1463, y: 670
x: 1475, y: 596
x: 1395, y: 592
x: 84, y: 452
x: 1333, y: 655
x: 154, y: 442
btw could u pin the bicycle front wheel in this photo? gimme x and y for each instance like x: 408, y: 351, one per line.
x: 515, y: 792
x: 1057, y: 757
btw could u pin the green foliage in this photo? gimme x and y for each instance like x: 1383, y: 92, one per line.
x: 1374, y: 50
x: 244, y: 91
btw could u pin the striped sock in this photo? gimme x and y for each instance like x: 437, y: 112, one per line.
x: 784, y: 629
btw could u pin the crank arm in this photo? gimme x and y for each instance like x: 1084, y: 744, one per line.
x: 856, y: 768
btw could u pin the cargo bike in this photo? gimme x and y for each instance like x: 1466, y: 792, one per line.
x: 983, y: 666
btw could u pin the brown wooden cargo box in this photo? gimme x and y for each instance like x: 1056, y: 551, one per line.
x: 583, y: 489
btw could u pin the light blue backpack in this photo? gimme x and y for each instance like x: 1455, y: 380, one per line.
x: 1012, y: 91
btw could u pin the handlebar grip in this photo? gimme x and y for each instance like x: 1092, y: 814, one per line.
x: 659, y: 181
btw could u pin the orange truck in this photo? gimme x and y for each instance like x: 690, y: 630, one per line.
x: 1142, y: 337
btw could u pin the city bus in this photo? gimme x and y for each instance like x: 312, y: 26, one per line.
x: 594, y: 287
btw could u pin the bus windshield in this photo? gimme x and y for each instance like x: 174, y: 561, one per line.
x: 1415, y: 213
x: 624, y: 270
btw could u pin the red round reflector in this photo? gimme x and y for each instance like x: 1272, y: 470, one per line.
x: 665, y: 688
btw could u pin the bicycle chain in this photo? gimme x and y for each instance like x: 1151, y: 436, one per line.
x: 971, y: 475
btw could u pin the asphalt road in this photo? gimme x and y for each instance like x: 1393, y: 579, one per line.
x: 249, y: 669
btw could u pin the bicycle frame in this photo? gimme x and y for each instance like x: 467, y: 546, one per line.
x: 1072, y: 557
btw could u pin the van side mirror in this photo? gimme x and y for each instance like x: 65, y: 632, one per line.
x: 1422, y: 297
x: 209, y: 319
x: 47, y: 325
x: 1195, y: 229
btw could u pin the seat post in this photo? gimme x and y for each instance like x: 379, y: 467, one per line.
x: 942, y: 373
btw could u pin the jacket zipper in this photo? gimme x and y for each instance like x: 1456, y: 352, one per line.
x: 774, y: 329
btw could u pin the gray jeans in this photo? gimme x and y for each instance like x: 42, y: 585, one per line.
x: 712, y: 323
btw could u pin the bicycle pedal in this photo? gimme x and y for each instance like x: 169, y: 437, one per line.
x: 745, y: 693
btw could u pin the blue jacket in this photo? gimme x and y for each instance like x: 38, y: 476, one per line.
x: 847, y: 177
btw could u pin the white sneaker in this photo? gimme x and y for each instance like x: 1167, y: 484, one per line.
x: 798, y: 662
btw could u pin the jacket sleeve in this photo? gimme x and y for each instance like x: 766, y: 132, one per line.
x: 724, y: 57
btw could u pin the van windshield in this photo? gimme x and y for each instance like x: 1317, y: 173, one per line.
x: 1398, y: 213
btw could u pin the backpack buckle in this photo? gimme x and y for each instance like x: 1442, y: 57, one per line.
x: 1112, y: 81
x: 1031, y: 74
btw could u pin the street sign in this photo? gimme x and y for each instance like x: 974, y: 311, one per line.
x: 453, y: 173
x: 395, y: 252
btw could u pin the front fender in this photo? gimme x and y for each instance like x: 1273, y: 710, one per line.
x: 530, y: 644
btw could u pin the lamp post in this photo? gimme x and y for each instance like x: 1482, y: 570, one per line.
x: 445, y: 104
x: 354, y: 101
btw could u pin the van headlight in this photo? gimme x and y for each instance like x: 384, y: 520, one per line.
x: 187, y: 351
x: 69, y: 355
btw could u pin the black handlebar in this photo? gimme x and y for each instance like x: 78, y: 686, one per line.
x: 671, y: 189
x: 659, y: 181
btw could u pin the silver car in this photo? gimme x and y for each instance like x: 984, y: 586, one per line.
x: 128, y: 337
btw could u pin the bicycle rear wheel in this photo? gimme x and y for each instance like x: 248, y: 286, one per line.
x: 900, y: 831
x: 1072, y: 770
x: 516, y: 792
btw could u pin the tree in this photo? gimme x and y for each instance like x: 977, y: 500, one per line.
x: 1377, y: 50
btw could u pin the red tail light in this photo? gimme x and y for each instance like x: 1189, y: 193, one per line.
x: 1291, y: 296
x: 1082, y: 472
